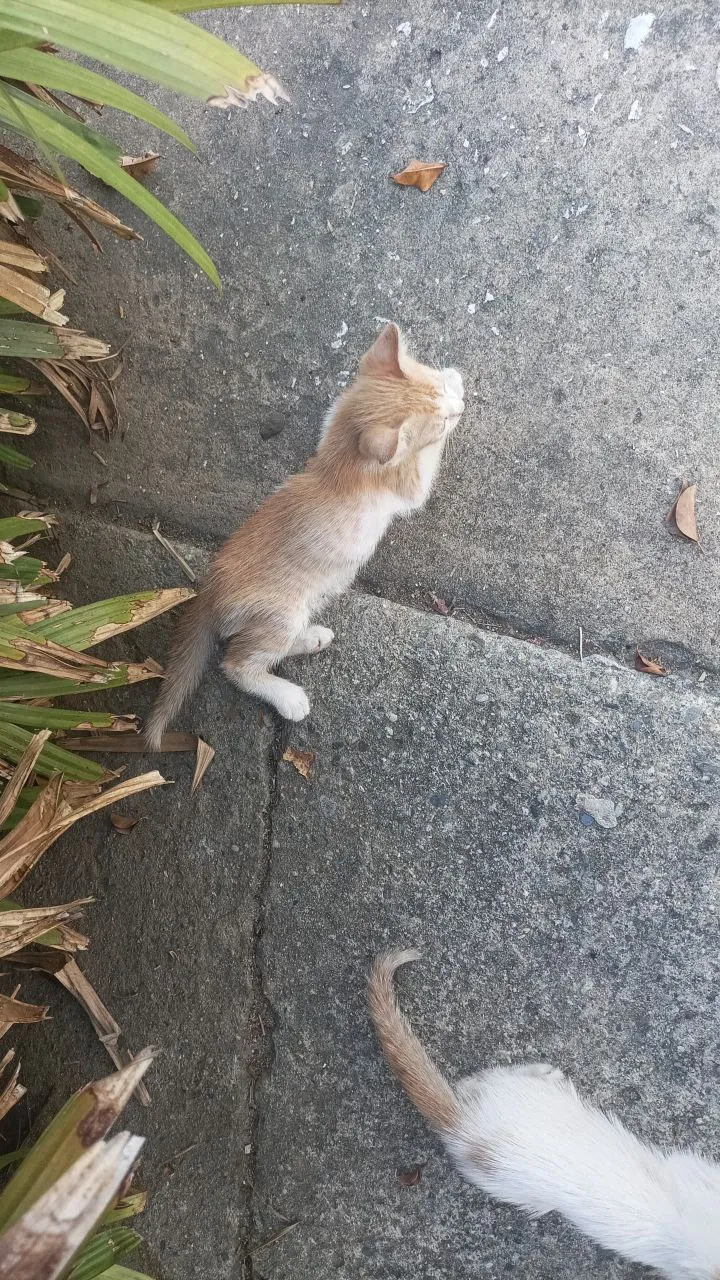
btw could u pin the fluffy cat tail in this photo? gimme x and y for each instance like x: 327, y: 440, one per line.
x: 420, y: 1078
x: 190, y: 655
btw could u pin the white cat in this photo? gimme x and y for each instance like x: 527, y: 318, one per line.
x: 524, y: 1135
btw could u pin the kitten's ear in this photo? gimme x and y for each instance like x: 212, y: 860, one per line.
x: 384, y: 359
x: 379, y: 444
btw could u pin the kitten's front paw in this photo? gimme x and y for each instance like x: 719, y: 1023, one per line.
x: 292, y: 703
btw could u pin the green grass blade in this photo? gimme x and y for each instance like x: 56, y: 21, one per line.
x: 90, y: 624
x: 101, y: 1250
x: 20, y: 526
x: 14, y: 458
x: 52, y: 759
x: 19, y: 685
x: 51, y: 718
x: 196, y: 6
x: 135, y: 37
x: 124, y: 1273
x: 99, y: 157
x: 26, y: 340
x: 11, y: 384
x: 56, y: 73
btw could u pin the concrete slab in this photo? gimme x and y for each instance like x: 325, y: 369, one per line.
x: 172, y: 945
x: 566, y: 261
x: 443, y: 813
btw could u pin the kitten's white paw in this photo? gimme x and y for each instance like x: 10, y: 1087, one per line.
x: 292, y: 703
x: 540, y: 1070
x: 317, y: 638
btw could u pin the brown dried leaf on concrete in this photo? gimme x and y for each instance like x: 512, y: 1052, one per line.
x: 140, y: 166
x: 683, y: 513
x: 410, y: 1177
x: 123, y: 822
x: 649, y: 665
x: 441, y: 606
x: 204, y: 758
x: 420, y: 174
x: 303, y: 761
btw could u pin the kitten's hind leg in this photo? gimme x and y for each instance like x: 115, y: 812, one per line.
x: 311, y: 640
x: 250, y: 672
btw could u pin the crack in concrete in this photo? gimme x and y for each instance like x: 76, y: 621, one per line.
x: 261, y: 1016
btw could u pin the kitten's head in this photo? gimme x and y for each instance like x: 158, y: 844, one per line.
x: 397, y: 406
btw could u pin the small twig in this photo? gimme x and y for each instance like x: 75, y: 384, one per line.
x: 581, y: 643
x: 274, y: 1239
x: 173, y: 551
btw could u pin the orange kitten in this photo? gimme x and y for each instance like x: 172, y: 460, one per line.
x: 377, y: 458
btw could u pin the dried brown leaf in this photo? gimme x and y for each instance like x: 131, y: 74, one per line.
x: 683, y: 513
x: 650, y: 666
x: 128, y: 742
x: 203, y: 760
x: 106, y: 1028
x: 441, y: 606
x: 140, y: 166
x: 303, y: 761
x: 123, y: 822
x: 411, y: 1176
x: 420, y: 174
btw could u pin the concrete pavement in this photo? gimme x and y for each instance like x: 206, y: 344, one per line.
x: 566, y: 262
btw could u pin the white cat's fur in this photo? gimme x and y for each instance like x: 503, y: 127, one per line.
x: 523, y: 1134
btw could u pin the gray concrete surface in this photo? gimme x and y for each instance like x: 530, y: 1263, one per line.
x: 235, y: 928
x: 443, y: 813
x: 595, y: 234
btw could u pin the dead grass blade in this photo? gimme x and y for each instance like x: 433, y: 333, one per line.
x: 18, y: 928
x: 21, y: 256
x: 22, y: 175
x: 10, y: 1091
x: 14, y: 1013
x: 173, y: 551
x: 41, y: 1244
x: 54, y: 812
x: 106, y: 1028
x: 35, y: 298
x: 204, y: 758
x: 25, y: 766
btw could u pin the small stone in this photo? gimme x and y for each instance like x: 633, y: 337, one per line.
x: 598, y: 807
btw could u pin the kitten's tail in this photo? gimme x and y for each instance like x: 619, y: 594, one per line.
x: 420, y: 1078
x: 191, y: 652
